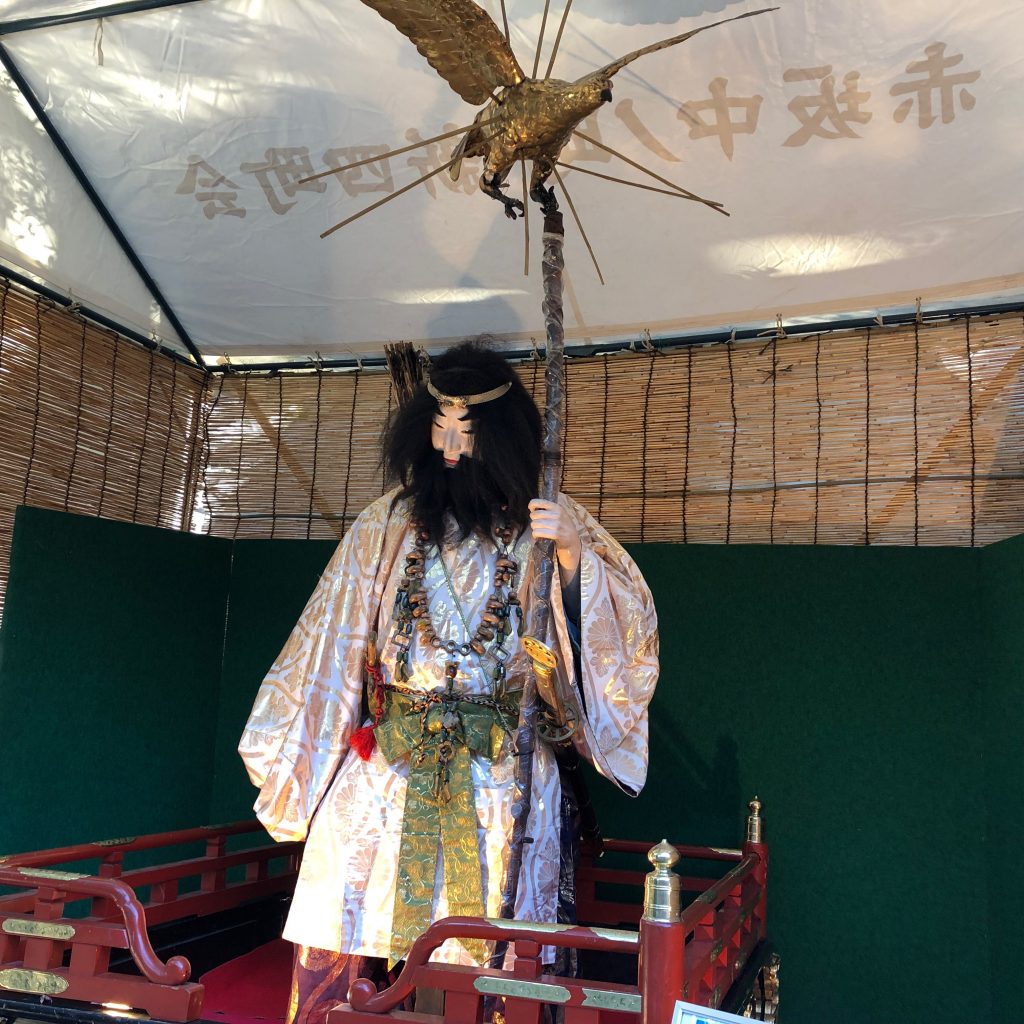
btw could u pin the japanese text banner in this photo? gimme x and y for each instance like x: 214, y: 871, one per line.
x: 868, y: 154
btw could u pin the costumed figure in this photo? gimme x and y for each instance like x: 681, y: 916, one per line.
x: 383, y: 732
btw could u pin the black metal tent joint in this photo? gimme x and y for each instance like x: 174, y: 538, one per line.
x: 11, y: 28
x: 101, y: 208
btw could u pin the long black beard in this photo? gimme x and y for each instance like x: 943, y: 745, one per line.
x: 452, y: 503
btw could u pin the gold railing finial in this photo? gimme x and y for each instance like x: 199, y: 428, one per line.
x: 661, y: 888
x: 754, y: 821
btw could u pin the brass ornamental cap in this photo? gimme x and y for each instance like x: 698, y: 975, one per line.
x: 661, y: 887
x: 754, y: 822
x: 663, y: 856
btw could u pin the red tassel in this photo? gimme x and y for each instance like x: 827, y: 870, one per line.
x: 363, y: 742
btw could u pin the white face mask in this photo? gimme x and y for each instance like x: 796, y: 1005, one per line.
x: 451, y: 433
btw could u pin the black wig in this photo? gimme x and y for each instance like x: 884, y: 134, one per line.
x: 493, y: 486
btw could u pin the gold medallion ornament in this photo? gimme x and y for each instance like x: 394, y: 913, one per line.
x: 38, y: 929
x: 37, y: 983
x: 48, y: 873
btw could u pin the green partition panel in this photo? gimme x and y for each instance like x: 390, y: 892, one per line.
x: 838, y: 684
x: 998, y: 715
x: 109, y: 679
x: 870, y: 697
x: 271, y: 580
x: 841, y: 686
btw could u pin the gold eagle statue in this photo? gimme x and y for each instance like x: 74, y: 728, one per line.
x: 523, y: 118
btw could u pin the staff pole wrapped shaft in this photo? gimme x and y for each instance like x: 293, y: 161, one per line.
x: 544, y: 554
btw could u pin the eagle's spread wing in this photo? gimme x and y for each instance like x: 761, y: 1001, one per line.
x: 617, y: 65
x: 460, y: 41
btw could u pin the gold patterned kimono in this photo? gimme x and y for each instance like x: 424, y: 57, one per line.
x: 312, y: 786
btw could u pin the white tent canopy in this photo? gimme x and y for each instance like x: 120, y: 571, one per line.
x: 869, y: 154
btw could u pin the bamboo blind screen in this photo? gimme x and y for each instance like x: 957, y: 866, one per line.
x: 90, y: 423
x: 906, y: 435
x: 909, y: 435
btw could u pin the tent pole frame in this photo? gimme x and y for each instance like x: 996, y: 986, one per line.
x: 100, y: 206
x: 11, y: 28
x: 803, y: 329
x: 575, y: 352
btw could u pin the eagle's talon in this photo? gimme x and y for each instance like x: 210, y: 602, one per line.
x: 545, y: 198
x: 513, y: 207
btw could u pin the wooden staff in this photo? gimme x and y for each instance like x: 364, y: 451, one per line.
x: 544, y: 554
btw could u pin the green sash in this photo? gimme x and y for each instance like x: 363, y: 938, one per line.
x: 438, y: 732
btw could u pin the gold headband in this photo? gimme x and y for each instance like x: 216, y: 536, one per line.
x: 462, y: 401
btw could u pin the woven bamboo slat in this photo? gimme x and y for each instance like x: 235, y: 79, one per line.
x: 887, y: 436
x: 905, y: 435
x: 90, y: 423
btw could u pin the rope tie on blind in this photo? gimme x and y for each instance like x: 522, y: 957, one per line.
x: 110, y: 423
x: 351, y: 438
x: 277, y: 457
x: 78, y: 420
x: 867, y: 432
x: 3, y: 318
x: 387, y: 419
x: 817, y: 453
x: 686, y: 446
x: 604, y: 440
x: 917, y: 451
x: 38, y: 403
x: 145, y: 433
x: 316, y: 444
x: 167, y: 444
x: 241, y: 456
x: 732, y: 446
x: 565, y: 425
x: 970, y: 422
x: 208, y: 415
x: 643, y: 450
x: 191, y: 475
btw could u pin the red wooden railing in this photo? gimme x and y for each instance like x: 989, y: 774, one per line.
x: 36, y: 934
x: 695, y: 956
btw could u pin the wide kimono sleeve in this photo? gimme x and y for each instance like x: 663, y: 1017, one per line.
x: 618, y: 663
x: 309, y: 703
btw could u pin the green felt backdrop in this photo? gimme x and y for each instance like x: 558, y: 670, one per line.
x: 110, y: 658
x: 999, y: 717
x: 870, y: 697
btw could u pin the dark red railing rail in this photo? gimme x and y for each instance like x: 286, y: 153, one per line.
x: 35, y: 933
x: 695, y: 957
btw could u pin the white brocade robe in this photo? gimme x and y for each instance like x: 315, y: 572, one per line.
x: 314, y: 787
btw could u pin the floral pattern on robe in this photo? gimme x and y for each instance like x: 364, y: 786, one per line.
x: 312, y: 786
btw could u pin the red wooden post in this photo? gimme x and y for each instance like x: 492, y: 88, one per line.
x: 525, y: 967
x: 213, y: 881
x: 662, y: 939
x: 44, y: 954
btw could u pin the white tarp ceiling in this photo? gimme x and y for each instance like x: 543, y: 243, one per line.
x: 868, y: 153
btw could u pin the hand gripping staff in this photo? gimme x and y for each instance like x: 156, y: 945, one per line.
x: 557, y: 725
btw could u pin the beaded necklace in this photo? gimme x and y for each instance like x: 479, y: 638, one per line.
x: 412, y: 612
